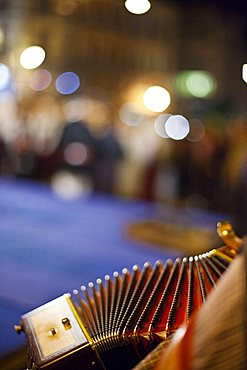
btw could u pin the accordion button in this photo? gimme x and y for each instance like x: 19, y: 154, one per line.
x: 18, y: 328
x: 53, y: 331
x: 66, y: 323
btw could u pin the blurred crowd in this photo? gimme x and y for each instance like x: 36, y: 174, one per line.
x: 209, y: 173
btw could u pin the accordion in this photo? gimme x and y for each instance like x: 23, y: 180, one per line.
x: 116, y: 322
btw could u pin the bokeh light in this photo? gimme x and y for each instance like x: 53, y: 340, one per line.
x: 138, y: 6
x: 5, y: 76
x: 130, y: 114
x: 159, y: 125
x: 180, y: 84
x: 2, y: 36
x: 244, y: 72
x: 156, y: 98
x: 67, y: 83
x: 75, y: 154
x: 177, y: 127
x: 40, y: 80
x: 197, y: 131
x: 65, y: 7
x: 199, y: 84
x: 77, y: 109
x: 32, y: 57
x: 69, y: 187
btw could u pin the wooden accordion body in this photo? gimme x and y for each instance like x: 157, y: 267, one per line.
x: 115, y: 323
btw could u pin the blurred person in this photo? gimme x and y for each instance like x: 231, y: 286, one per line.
x: 21, y: 159
x: 108, y: 154
x: 2, y: 154
x: 33, y: 136
x: 161, y: 175
x: 234, y: 172
x: 138, y: 169
x: 43, y: 118
x: 75, y: 151
x: 200, y: 166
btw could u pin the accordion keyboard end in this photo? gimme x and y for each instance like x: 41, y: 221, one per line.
x: 227, y: 234
x: 56, y: 336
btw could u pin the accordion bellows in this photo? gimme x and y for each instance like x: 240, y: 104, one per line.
x: 116, y: 322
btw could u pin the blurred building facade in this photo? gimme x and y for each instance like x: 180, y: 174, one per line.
x: 117, y: 55
x: 112, y: 49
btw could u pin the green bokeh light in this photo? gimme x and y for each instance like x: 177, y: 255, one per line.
x: 199, y: 84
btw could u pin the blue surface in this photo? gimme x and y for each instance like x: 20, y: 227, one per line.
x: 49, y: 246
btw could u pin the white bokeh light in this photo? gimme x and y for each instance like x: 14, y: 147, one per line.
x: 137, y: 6
x: 244, y: 72
x: 40, y: 80
x: 32, y: 57
x: 77, y: 109
x: 159, y: 125
x: 130, y: 114
x: 177, y: 127
x: 156, y: 98
x: 5, y: 76
x: 69, y: 187
x: 197, y: 131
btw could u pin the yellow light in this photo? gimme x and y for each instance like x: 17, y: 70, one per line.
x: 156, y: 98
x: 32, y: 57
x: 244, y: 73
x: 137, y: 6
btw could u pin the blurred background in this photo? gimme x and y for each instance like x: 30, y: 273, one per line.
x: 141, y: 101
x: 65, y: 61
